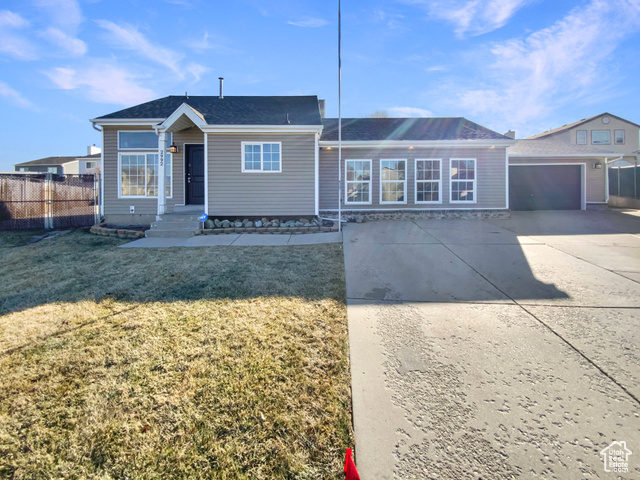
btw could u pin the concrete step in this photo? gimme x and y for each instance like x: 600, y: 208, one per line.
x: 174, y: 225
x: 169, y: 233
x: 161, y: 224
x: 175, y: 218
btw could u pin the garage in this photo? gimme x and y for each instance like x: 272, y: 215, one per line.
x: 545, y: 187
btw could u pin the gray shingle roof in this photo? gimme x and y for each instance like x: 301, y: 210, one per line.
x: 232, y: 110
x: 377, y: 129
x: 537, y: 147
x: 57, y: 161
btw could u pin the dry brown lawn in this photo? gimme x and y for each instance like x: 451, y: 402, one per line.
x: 220, y: 362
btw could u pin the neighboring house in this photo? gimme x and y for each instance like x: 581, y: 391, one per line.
x: 90, y: 163
x: 278, y: 156
x: 566, y: 168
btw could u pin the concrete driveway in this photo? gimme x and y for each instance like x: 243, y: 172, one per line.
x: 495, y: 349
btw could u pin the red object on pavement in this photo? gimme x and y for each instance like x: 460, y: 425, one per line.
x: 350, y: 472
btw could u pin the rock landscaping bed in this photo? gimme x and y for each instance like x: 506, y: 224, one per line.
x: 265, y: 225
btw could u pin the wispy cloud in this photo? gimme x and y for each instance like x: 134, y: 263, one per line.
x: 73, y: 46
x: 531, y: 77
x: 197, y: 71
x: 393, y: 21
x: 472, y: 16
x: 206, y: 43
x: 12, y: 41
x: 15, y: 97
x: 309, y: 22
x: 128, y: 37
x: 102, y: 82
x: 409, y: 112
x: 65, y: 14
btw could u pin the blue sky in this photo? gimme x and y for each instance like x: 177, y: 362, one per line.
x: 526, y: 65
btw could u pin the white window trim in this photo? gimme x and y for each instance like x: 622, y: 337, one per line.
x: 404, y: 182
x: 624, y: 135
x: 244, y: 170
x: 439, y: 160
x: 586, y: 133
x: 143, y: 149
x: 346, y: 183
x: 146, y: 152
x: 451, y: 180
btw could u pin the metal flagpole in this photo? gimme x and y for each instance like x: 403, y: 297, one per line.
x: 339, y: 120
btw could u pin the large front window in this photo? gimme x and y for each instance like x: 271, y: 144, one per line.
x: 261, y: 157
x: 463, y: 180
x: 428, y: 180
x: 139, y: 175
x: 393, y: 181
x: 358, y: 181
x: 601, y: 137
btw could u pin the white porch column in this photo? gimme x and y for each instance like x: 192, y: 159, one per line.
x: 162, y: 152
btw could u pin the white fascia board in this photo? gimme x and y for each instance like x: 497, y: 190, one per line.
x: 262, y: 129
x: 184, y: 109
x: 128, y: 121
x: 418, y: 143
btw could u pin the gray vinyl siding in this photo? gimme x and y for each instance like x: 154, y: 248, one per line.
x: 144, y: 207
x: 595, y: 178
x: 233, y: 192
x: 491, y: 176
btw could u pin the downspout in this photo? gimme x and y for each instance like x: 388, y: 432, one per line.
x: 101, y: 200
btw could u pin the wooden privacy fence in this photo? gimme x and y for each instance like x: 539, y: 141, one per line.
x: 46, y: 200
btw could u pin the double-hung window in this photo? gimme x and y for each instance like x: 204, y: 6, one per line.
x: 463, y: 180
x: 262, y: 157
x: 428, y: 180
x: 358, y: 182
x: 138, y: 164
x: 393, y: 181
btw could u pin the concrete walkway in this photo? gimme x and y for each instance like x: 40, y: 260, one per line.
x: 495, y: 350
x: 233, y: 239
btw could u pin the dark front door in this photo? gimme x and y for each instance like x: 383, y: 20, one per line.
x: 195, y: 174
x: 545, y: 187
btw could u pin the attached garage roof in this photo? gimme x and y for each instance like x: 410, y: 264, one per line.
x: 233, y: 110
x: 416, y: 129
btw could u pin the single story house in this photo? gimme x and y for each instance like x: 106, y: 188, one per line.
x: 89, y: 163
x: 568, y: 167
x: 241, y: 156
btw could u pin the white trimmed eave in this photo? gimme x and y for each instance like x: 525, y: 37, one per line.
x: 183, y: 117
x: 145, y: 122
x: 417, y: 143
x: 262, y: 129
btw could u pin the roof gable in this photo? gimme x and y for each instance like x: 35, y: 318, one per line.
x: 569, y: 126
x: 407, y: 129
x: 232, y: 110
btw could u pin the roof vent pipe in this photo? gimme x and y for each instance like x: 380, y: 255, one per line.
x: 221, y: 79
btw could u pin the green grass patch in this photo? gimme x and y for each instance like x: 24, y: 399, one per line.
x: 217, y: 362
